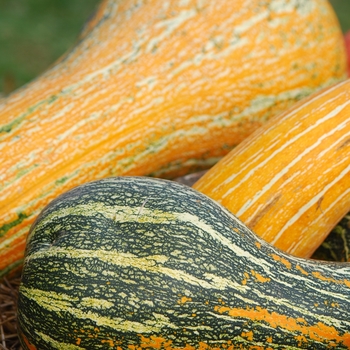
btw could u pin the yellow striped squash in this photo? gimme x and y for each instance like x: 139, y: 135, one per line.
x: 290, y: 180
x: 157, y: 87
x: 336, y: 247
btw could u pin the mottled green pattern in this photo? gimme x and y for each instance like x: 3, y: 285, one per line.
x: 336, y: 247
x: 4, y: 228
x: 120, y: 261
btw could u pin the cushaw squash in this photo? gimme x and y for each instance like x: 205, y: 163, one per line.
x: 137, y: 262
x: 347, y: 48
x: 290, y: 180
x: 157, y: 87
x: 336, y: 247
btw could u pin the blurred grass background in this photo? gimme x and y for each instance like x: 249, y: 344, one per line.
x: 34, y: 33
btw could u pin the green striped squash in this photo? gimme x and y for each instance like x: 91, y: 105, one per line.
x: 143, y: 263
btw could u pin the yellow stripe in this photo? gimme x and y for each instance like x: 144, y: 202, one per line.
x: 57, y: 302
x: 310, y: 203
x: 54, y: 344
x: 145, y: 215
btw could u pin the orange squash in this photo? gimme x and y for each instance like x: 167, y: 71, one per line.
x: 290, y: 180
x: 347, y: 48
x: 157, y: 88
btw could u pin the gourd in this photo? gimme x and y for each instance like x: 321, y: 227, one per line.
x: 290, y: 180
x: 336, y: 247
x: 137, y: 262
x: 347, y: 48
x: 157, y: 88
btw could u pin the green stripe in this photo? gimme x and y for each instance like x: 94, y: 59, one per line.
x: 18, y: 120
x: 135, y: 256
x: 11, y: 268
x: 6, y: 227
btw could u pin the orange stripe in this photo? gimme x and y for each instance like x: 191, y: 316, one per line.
x: 318, y: 332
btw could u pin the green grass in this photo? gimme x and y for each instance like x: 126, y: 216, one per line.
x: 342, y: 9
x: 34, y: 33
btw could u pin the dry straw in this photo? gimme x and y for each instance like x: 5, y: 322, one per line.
x: 8, y: 328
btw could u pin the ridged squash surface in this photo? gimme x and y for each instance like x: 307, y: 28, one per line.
x: 157, y: 87
x: 290, y: 180
x: 143, y: 263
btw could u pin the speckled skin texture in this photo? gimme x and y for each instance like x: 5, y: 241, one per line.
x: 136, y: 262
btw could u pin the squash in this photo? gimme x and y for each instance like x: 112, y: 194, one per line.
x: 137, y: 262
x: 347, y: 49
x: 157, y: 88
x: 336, y: 247
x: 290, y: 180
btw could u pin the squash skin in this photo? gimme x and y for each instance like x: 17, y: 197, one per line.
x: 336, y: 247
x: 347, y: 48
x: 132, y: 262
x: 290, y: 180
x: 123, y: 103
